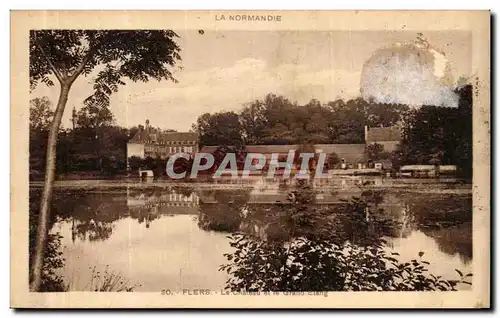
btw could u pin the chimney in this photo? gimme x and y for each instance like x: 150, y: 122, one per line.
x: 147, y: 126
x: 366, y: 133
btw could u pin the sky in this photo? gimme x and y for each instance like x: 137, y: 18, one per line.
x: 223, y: 70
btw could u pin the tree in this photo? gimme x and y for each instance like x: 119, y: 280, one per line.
x: 375, y: 152
x: 347, y: 121
x: 333, y: 160
x: 463, y: 151
x: 439, y: 135
x: 218, y: 129
x: 94, y: 116
x: 377, y: 114
x: 433, y: 135
x: 138, y: 55
x: 40, y: 114
x: 253, y: 121
x: 135, y: 163
x: 91, y: 119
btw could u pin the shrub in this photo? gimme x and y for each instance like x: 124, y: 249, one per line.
x: 108, y: 281
x: 311, y: 265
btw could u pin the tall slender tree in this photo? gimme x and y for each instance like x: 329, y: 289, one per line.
x: 63, y: 56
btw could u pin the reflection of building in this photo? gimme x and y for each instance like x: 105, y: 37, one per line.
x: 152, y: 142
x: 278, y: 192
x: 389, y: 137
x: 162, y: 202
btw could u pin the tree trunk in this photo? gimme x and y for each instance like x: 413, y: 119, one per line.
x: 44, y: 213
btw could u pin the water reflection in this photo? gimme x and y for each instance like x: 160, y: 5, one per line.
x: 174, y: 237
x: 149, y: 205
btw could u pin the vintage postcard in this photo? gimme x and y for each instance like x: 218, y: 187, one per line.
x: 233, y: 159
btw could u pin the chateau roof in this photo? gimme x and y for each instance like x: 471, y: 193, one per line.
x: 352, y: 153
x: 155, y: 135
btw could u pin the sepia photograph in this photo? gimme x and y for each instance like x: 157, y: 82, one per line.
x: 212, y: 158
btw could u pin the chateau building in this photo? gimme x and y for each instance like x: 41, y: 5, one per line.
x: 152, y: 142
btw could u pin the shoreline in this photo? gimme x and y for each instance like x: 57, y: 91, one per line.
x: 445, y: 186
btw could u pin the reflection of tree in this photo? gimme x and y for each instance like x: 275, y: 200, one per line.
x: 100, y: 206
x: 384, y: 215
x: 454, y: 239
x: 225, y: 214
x: 448, y: 220
x: 92, y: 214
x: 92, y: 230
x: 360, y: 222
x: 445, y: 210
x: 300, y: 215
x: 363, y: 221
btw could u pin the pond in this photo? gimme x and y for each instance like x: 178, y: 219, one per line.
x: 173, y: 236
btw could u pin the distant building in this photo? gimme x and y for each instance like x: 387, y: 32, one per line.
x: 152, y: 142
x: 389, y: 137
x: 348, y: 153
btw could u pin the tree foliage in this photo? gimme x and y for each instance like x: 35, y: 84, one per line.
x: 221, y: 129
x: 41, y: 114
x: 135, y: 54
x: 93, y: 117
x: 376, y: 152
x: 313, y: 265
x: 440, y: 135
x: 277, y: 120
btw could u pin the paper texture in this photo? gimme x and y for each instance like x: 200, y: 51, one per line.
x: 345, y: 80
